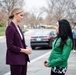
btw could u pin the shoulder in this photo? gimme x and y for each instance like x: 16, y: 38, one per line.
x: 10, y: 29
x: 10, y: 26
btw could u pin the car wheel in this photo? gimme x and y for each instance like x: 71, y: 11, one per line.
x: 32, y: 47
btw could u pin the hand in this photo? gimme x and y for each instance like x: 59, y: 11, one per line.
x: 46, y: 64
x: 28, y: 51
x: 28, y: 48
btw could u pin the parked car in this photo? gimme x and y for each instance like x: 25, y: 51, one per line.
x: 42, y: 39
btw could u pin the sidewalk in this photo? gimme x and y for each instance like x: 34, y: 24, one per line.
x: 38, y: 68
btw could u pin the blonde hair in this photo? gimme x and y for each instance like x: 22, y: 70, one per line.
x: 15, y: 11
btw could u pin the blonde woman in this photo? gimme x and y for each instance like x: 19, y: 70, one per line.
x: 17, y: 51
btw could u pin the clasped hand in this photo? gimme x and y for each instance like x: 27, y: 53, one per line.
x: 28, y: 50
x: 45, y: 63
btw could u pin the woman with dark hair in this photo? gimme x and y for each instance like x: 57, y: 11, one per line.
x: 61, y: 48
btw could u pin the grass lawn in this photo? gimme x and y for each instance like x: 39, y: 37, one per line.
x: 2, y: 31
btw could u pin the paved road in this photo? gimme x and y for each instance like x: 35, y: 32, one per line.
x: 36, y: 53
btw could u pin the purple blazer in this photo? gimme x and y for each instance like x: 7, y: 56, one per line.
x: 14, y: 43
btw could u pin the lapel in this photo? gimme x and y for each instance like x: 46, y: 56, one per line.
x: 21, y: 32
x: 14, y: 27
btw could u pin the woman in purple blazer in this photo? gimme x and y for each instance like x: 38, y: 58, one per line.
x: 17, y: 51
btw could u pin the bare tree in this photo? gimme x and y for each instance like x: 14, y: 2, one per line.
x: 61, y: 9
x: 71, y: 13
x: 38, y: 14
x: 29, y: 19
x: 34, y: 17
x: 8, y: 5
x: 2, y: 18
x: 50, y: 11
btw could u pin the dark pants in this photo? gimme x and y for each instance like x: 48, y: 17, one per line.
x: 52, y: 73
x: 18, y: 69
x: 75, y: 44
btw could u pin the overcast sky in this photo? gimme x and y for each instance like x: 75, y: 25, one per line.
x: 30, y: 4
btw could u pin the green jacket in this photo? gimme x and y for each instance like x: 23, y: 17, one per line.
x: 58, y: 56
